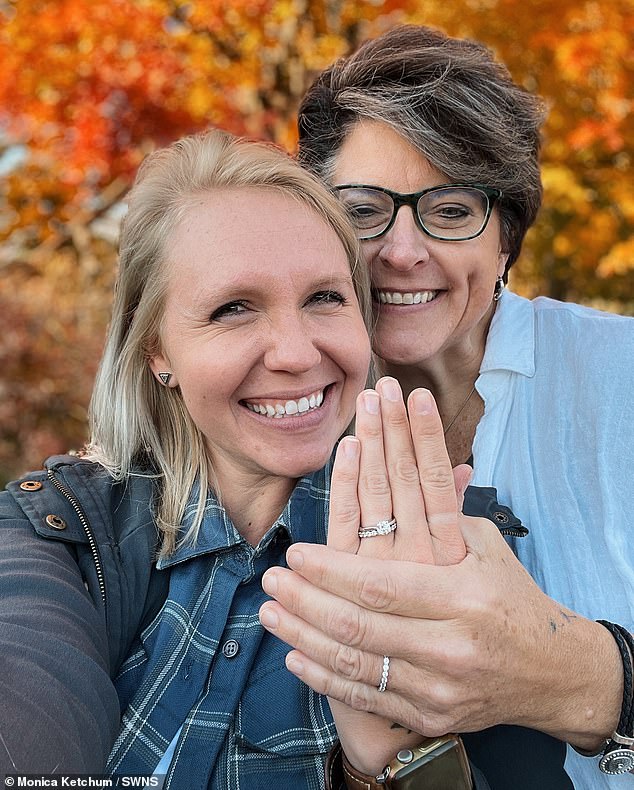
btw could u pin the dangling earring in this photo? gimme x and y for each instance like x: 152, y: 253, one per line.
x: 165, y: 378
x: 499, y: 287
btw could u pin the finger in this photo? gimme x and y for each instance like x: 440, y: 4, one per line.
x: 436, y: 477
x: 374, y: 493
x: 344, y: 660
x: 351, y: 624
x: 462, y: 475
x: 412, y: 539
x: 348, y: 663
x: 406, y: 588
x: 344, y: 511
x: 365, y: 697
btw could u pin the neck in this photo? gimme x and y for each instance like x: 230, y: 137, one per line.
x: 450, y: 375
x: 253, y: 503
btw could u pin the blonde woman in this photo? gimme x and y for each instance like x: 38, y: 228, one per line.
x: 130, y: 578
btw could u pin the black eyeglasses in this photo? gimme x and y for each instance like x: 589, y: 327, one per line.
x: 449, y: 212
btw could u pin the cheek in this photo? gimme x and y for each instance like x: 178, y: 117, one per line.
x: 357, y: 355
x: 370, y: 250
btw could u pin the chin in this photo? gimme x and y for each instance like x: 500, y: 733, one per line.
x: 307, y: 464
x: 409, y: 349
x: 403, y: 357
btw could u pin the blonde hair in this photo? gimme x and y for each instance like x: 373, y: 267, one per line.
x: 137, y: 425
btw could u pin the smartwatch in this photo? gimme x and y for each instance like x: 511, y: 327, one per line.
x: 436, y: 764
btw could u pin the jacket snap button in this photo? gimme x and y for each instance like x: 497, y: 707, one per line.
x: 500, y: 517
x: 230, y: 648
x: 31, y: 485
x: 56, y: 522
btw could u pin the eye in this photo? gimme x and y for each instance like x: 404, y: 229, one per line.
x: 367, y: 215
x: 229, y: 310
x: 453, y: 210
x: 449, y: 215
x: 327, y: 297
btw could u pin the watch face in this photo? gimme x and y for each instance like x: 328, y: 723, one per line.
x: 445, y: 766
x: 618, y: 761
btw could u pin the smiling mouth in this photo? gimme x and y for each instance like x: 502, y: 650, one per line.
x: 288, y: 408
x: 410, y: 297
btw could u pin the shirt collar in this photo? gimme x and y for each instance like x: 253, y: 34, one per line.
x: 304, y: 518
x: 511, y: 340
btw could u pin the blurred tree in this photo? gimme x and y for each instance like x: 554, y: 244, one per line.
x: 580, y: 58
x: 89, y: 88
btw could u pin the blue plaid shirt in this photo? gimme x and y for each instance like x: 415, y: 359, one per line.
x: 207, y: 672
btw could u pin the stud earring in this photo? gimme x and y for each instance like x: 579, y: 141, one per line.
x: 165, y: 378
x: 499, y: 287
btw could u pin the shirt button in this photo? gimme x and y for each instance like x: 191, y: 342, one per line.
x: 230, y: 648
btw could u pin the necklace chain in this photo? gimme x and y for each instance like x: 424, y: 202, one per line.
x: 460, y: 410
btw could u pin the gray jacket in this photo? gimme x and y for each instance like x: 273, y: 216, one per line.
x: 77, y: 583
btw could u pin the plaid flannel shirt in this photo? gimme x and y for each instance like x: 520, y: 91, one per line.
x: 206, y: 674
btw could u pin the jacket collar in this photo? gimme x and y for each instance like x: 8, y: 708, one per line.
x: 511, y: 339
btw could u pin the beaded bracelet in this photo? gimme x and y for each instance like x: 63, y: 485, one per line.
x: 618, y: 755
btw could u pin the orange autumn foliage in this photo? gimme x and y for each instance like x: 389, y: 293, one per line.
x: 89, y: 88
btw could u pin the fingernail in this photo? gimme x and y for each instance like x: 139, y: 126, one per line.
x: 371, y: 402
x: 422, y: 401
x: 294, y: 665
x: 269, y: 618
x: 294, y: 558
x: 390, y: 389
x: 350, y: 446
x: 269, y: 582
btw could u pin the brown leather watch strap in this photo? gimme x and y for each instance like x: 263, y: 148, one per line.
x: 340, y: 775
x: 334, y: 769
x: 355, y: 780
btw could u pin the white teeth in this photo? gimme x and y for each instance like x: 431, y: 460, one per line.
x: 289, y: 407
x: 412, y: 297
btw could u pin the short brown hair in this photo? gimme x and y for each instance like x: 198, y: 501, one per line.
x: 449, y: 98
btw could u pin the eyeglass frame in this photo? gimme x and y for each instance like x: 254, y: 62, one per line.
x: 411, y: 199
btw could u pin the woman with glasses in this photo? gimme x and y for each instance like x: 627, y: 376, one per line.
x: 434, y: 151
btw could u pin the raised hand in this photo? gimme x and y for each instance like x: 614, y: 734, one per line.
x: 472, y: 640
x: 394, y: 474
x: 397, y: 466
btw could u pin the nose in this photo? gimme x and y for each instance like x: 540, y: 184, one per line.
x: 291, y: 347
x: 404, y: 245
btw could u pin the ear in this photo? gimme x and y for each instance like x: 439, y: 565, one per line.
x: 502, y: 259
x: 160, y: 365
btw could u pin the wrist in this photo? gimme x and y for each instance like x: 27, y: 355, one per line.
x: 435, y: 764
x: 576, y: 697
x: 598, y: 712
x: 618, y: 756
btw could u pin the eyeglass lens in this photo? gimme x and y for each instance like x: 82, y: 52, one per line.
x: 451, y: 213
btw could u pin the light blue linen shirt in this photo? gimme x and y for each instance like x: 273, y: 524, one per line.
x: 557, y: 441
